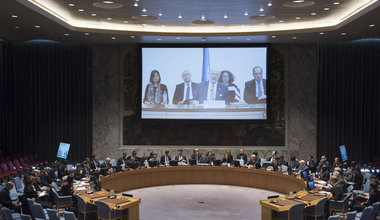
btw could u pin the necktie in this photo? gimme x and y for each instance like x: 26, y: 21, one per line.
x: 212, y: 92
x: 187, y: 92
x: 260, y: 91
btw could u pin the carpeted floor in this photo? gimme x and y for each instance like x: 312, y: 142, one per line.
x: 205, y: 202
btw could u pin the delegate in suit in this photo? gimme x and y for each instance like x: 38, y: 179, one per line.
x: 184, y: 91
x: 255, y: 90
x: 212, y: 90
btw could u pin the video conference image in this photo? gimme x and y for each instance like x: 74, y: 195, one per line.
x: 227, y: 83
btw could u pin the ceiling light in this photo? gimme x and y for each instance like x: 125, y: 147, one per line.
x: 132, y: 36
x: 246, y: 13
x: 80, y: 9
x: 371, y: 25
x: 294, y: 38
x: 93, y: 14
x: 37, y: 26
x: 228, y: 38
x: 144, y: 15
x: 261, y: 9
x: 273, y: 36
x: 160, y: 14
x: 336, y: 3
x: 321, y: 33
x: 326, y: 9
x: 248, y: 38
x: 109, y: 19
x: 298, y: 18
x: 313, y: 13
x: 225, y: 16
x: 144, y: 10
x: 298, y: 1
x: 281, y: 21
x: 66, y: 34
x: 17, y: 27
x: 113, y: 38
x: 108, y: 2
x: 343, y: 33
x: 179, y: 16
x: 136, y: 5
x: 125, y: 22
x: 159, y: 39
x: 178, y: 38
x: 14, y: 16
x: 269, y: 4
x: 86, y: 33
x: 71, y: 5
x: 203, y: 18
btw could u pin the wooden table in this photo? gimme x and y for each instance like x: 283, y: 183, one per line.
x: 128, y: 205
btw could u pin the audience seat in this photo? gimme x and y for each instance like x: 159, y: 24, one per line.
x: 61, y: 201
x: 53, y: 215
x: 105, y: 212
x: 295, y: 212
x: 334, y: 217
x: 366, y: 214
x: 8, y: 215
x: 84, y: 207
x: 340, y: 206
x: 351, y: 215
x: 68, y: 215
x: 317, y: 210
x: 39, y: 211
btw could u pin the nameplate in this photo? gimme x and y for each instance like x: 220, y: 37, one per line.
x: 214, y: 104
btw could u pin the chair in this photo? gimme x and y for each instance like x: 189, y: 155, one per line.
x: 334, y: 217
x: 53, y: 215
x: 18, y: 165
x: 69, y: 215
x: 113, y: 162
x: 84, y: 207
x: 25, y: 217
x: 39, y: 211
x: 7, y: 215
x: 340, y: 206
x: 317, y: 210
x: 31, y: 207
x: 366, y: 214
x: 351, y: 215
x: 18, y: 184
x: 61, y: 201
x: 295, y: 212
x: 56, y: 187
x: 376, y: 209
x: 105, y: 212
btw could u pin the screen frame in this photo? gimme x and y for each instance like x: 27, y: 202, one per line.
x: 59, y: 146
x: 341, y: 149
x: 209, y: 121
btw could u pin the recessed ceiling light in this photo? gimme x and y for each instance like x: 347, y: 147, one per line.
x: 113, y: 38
x: 86, y: 33
x: 125, y: 22
x: 135, y: 4
x: 294, y: 38
x: 203, y: 18
x: 248, y: 38
x: 371, y: 25
x: 269, y: 4
x: 298, y: 18
x: 273, y: 36
x: 343, y: 33
x: 71, y: 5
x: 246, y: 13
x: 321, y: 33
x: 160, y: 14
x: 108, y: 2
x: 93, y: 14
x: 37, y: 26
x: 109, y: 19
x: 225, y: 16
x: 261, y: 9
x: 336, y: 3
x: 178, y: 38
x: 281, y: 21
x: 132, y: 36
x: 326, y: 9
x: 159, y: 39
x: 228, y: 38
x: 298, y: 1
x: 144, y: 10
x: 14, y: 16
x: 313, y: 13
x: 144, y: 15
x: 80, y: 9
x: 66, y: 34
x: 17, y: 27
x: 179, y: 16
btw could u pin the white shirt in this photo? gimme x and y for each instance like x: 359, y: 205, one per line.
x: 211, y: 96
x: 257, y: 87
x: 184, y: 91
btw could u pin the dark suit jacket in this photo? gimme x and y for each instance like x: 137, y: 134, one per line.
x: 221, y: 92
x: 178, y: 93
x: 93, y: 163
x: 121, y: 160
x: 242, y: 156
x: 336, y: 190
x: 162, y: 161
x: 177, y: 157
x: 250, y: 92
x: 5, y: 199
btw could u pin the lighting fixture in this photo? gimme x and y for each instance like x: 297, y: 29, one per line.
x: 336, y: 3
x: 273, y: 36
x: 228, y: 38
x: 71, y: 5
x: 109, y: 19
x: 37, y: 26
x: 108, y: 2
x: 93, y: 14
x: 113, y: 38
x: 178, y: 38
x: 371, y: 25
x: 261, y: 9
x: 86, y: 33
x: 159, y: 39
x: 132, y: 36
x: 14, y: 16
x: 269, y: 4
x: 313, y: 14
x: 179, y: 16
x: 326, y: 9
x: 321, y: 33
x: 135, y: 4
x: 225, y: 16
x: 298, y: 18
x: 203, y: 18
x: 160, y: 14
x: 281, y: 21
x: 125, y: 22
x: 246, y: 13
x: 343, y: 33
x: 66, y: 34
x: 248, y: 38
x: 294, y: 38
x: 80, y: 10
x: 144, y: 10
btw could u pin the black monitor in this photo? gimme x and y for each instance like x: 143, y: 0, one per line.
x: 153, y: 163
x: 133, y: 165
x: 217, y: 162
x: 192, y: 162
x: 257, y: 165
x: 117, y: 168
x: 236, y: 163
x: 173, y: 163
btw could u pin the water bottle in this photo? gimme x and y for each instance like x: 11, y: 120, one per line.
x: 165, y: 98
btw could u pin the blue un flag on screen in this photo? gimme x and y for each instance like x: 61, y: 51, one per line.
x: 206, y: 64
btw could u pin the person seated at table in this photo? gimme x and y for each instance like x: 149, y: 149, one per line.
x: 66, y: 189
x: 79, y: 174
x: 273, y: 154
x: 155, y: 90
x: 134, y: 154
x: 211, y: 156
x: 281, y: 161
x: 365, y: 200
x: 204, y: 159
x: 274, y: 165
x: 226, y: 160
x: 94, y: 163
x: 293, y: 163
x: 336, y: 163
x: 358, y: 179
x: 302, y: 168
x: 325, y: 173
x: 165, y: 158
x: 122, y: 160
x: 196, y: 156
x: 132, y: 163
x: 154, y: 158
x: 227, y: 78
x: 180, y: 157
x: 242, y: 156
x: 322, y: 162
x: 212, y: 90
x: 5, y: 199
x: 44, y: 177
x: 341, y: 181
x: 311, y: 164
x: 184, y: 92
x: 228, y: 152
x: 253, y: 163
x: 335, y: 189
x: 348, y: 173
x: 86, y: 169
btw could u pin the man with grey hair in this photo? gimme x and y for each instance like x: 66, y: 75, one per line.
x: 255, y: 90
x: 184, y: 91
x: 212, y: 90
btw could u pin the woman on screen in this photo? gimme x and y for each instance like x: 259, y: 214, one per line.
x: 155, y: 92
x: 227, y: 78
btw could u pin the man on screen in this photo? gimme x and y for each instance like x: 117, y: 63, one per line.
x: 184, y: 91
x: 212, y: 90
x: 255, y: 90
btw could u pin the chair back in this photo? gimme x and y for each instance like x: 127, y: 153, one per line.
x: 296, y: 211
x: 113, y: 162
x: 103, y: 209
x: 334, y: 217
x: 81, y: 203
x: 350, y: 188
x: 351, y: 215
x: 25, y: 217
x: 346, y: 200
x: 18, y: 184
x: 55, y: 193
x: 6, y: 214
x: 320, y: 206
x: 17, y: 164
x: 31, y: 207
x: 69, y: 215
x: 56, y: 187
x: 11, y: 166
x: 5, y: 168
x: 376, y: 208
x: 366, y: 214
x: 52, y: 213
x: 39, y: 210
